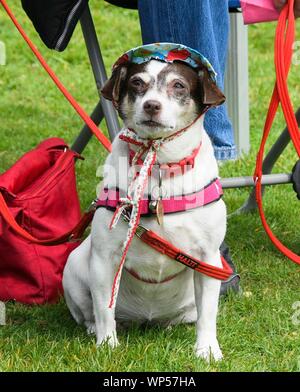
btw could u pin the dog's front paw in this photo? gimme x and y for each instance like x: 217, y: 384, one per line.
x: 209, y: 351
x: 90, y: 327
x: 109, y: 338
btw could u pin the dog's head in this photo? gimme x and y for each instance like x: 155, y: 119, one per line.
x: 157, y: 98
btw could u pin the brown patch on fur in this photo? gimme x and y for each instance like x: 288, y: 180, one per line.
x: 131, y: 90
x: 116, y: 86
x: 190, y: 81
x: 202, y: 89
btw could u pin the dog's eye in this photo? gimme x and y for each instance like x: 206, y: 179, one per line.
x: 137, y: 83
x: 178, y: 85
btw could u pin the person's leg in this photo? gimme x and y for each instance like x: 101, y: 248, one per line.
x: 202, y: 25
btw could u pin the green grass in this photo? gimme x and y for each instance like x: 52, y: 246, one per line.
x: 256, y: 331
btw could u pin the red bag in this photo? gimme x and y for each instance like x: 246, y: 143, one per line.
x: 39, y: 191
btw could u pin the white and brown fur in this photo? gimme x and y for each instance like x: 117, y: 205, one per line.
x: 155, y: 99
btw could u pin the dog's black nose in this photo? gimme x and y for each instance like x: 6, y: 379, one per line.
x: 152, y: 107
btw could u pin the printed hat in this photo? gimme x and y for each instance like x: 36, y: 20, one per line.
x: 168, y: 52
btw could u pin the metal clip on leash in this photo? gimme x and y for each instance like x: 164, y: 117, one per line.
x: 157, y: 205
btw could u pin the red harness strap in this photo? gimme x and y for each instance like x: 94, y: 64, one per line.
x: 168, y: 249
x: 284, y: 40
x: 163, y: 246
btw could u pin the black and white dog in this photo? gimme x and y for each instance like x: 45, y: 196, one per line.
x: 155, y: 99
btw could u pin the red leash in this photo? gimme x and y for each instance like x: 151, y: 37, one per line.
x: 165, y: 247
x: 284, y: 40
x: 86, y: 118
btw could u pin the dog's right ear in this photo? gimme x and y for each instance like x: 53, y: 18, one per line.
x: 112, y: 88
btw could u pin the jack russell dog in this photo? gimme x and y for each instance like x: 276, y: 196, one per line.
x: 161, y: 92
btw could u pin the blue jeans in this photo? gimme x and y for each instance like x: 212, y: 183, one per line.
x: 202, y: 25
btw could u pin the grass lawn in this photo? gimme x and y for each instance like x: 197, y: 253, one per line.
x: 256, y: 329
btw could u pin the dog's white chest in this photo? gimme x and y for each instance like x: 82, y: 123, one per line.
x: 191, y: 231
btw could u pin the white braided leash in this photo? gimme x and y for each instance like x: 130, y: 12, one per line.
x: 134, y: 201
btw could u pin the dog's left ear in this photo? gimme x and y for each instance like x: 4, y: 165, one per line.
x: 112, y: 88
x: 211, y: 94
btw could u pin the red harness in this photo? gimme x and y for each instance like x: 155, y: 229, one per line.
x: 110, y: 199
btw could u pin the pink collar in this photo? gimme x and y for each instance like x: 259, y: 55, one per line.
x: 109, y: 199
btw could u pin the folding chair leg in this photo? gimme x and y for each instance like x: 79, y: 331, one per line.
x: 248, y: 181
x: 96, y: 60
x: 269, y: 162
x: 85, y: 135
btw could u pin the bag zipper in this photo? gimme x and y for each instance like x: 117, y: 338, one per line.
x: 61, y: 164
x: 69, y: 19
